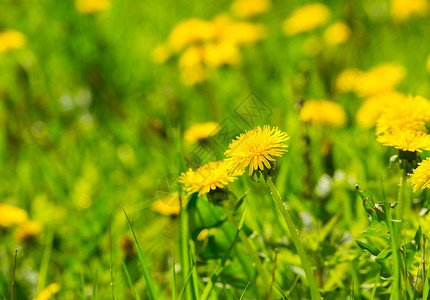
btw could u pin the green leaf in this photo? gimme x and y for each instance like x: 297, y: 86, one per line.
x: 370, y: 248
x: 129, y: 281
x: 244, y: 291
x: 280, y: 292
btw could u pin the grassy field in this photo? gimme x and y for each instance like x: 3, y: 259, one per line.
x: 246, y: 149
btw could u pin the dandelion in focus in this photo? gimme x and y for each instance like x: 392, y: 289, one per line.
x: 323, y: 112
x: 420, y: 179
x: 208, y: 177
x: 11, y: 40
x: 401, y: 10
x: 249, y: 8
x: 306, y: 18
x: 337, y: 33
x: 406, y: 140
x: 201, y: 131
x: 255, y: 149
x: 92, y: 6
x: 11, y: 215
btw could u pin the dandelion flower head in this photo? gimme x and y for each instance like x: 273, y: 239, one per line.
x: 255, y: 149
x: 406, y: 140
x: 201, y: 131
x: 11, y: 215
x: 11, y: 40
x: 337, y: 33
x: 27, y: 231
x: 306, y: 18
x: 92, y: 6
x: 401, y: 10
x: 420, y: 179
x: 323, y: 112
x: 168, y: 205
x: 249, y: 8
x: 208, y: 177
x: 48, y: 292
x: 347, y: 80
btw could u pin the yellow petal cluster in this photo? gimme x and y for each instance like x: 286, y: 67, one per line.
x: 401, y: 10
x: 249, y: 8
x: 337, y: 33
x: 11, y: 215
x: 92, y: 6
x: 11, y: 40
x: 208, y: 177
x: 255, y: 149
x: 420, y: 179
x: 201, y: 131
x: 380, y: 79
x: 27, y: 230
x: 168, y: 205
x: 323, y: 112
x: 48, y: 292
x: 306, y: 18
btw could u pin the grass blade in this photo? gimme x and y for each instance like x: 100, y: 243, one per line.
x: 244, y: 291
x: 130, y: 283
x: 280, y: 292
x: 173, y: 279
x: 151, y: 287
x: 96, y: 286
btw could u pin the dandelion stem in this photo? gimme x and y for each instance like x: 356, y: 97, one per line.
x: 296, y: 240
x: 13, y: 276
x: 401, y: 196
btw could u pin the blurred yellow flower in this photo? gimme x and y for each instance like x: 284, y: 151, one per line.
x: 406, y: 140
x: 347, y: 80
x: 92, y: 6
x: 11, y: 215
x: 11, y: 40
x: 27, y: 231
x: 323, y: 112
x: 402, y: 10
x: 160, y: 54
x: 249, y: 8
x: 337, y: 33
x: 420, y: 179
x: 48, y: 292
x: 372, y: 107
x: 407, y: 113
x: 380, y: 79
x: 168, y: 205
x: 243, y: 33
x: 191, y: 57
x: 223, y: 53
x: 201, y: 131
x: 255, y: 148
x: 206, y: 178
x: 306, y: 18
x: 191, y: 76
x: 190, y: 31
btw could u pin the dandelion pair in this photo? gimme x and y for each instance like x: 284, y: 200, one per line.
x: 255, y: 150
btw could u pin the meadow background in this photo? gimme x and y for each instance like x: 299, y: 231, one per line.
x: 93, y: 113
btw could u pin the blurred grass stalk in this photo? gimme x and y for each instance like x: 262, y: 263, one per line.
x: 315, y: 294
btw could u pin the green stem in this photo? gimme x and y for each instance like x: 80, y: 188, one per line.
x: 396, y: 288
x: 401, y: 196
x: 185, y: 254
x: 296, y: 240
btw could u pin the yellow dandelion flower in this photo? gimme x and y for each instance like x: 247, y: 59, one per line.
x: 243, y: 33
x: 11, y: 40
x: 190, y: 31
x: 27, y: 231
x: 48, y: 292
x: 406, y: 140
x: 160, y: 54
x: 201, y: 131
x: 380, y: 79
x: 191, y: 57
x: 372, y: 108
x: 91, y: 6
x: 193, y: 75
x: 249, y: 8
x: 420, y: 179
x: 221, y: 53
x: 255, y: 148
x: 306, y: 18
x: 347, y: 80
x: 401, y: 10
x: 168, y: 205
x: 323, y: 112
x: 409, y: 113
x: 206, y: 178
x: 337, y: 33
x: 11, y: 215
